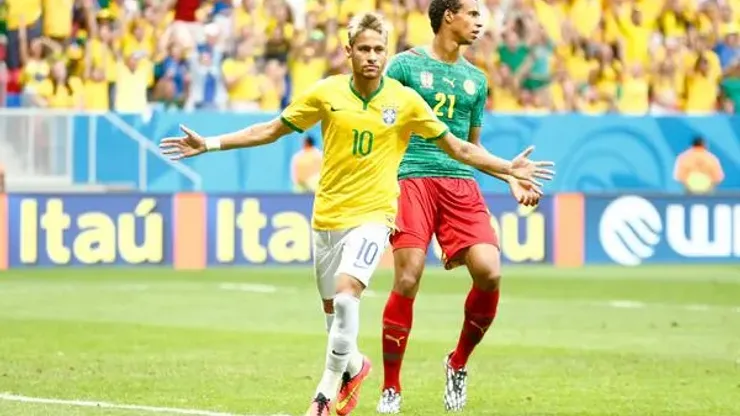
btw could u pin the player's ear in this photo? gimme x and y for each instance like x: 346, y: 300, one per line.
x: 448, y: 16
x: 348, y: 51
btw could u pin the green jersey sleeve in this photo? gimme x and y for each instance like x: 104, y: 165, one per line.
x: 476, y: 116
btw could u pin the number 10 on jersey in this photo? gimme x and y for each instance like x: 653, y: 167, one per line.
x: 362, y: 142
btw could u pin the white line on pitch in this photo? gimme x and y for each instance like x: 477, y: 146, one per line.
x: 626, y: 304
x: 249, y: 287
x: 151, y: 409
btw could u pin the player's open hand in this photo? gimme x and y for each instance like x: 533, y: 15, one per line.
x: 525, y: 193
x: 530, y: 171
x: 189, y: 145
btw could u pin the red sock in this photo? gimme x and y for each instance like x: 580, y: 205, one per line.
x: 480, y: 309
x: 397, y: 318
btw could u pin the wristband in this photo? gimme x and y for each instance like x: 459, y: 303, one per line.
x: 213, y: 144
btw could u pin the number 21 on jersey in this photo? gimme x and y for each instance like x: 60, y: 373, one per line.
x: 443, y: 99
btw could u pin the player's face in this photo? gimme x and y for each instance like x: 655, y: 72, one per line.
x: 466, y: 23
x: 368, y: 54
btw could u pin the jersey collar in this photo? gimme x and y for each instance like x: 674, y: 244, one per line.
x: 427, y: 51
x: 366, y: 102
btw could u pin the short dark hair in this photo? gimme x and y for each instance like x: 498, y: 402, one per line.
x: 437, y: 11
x: 698, y: 141
x: 309, y: 141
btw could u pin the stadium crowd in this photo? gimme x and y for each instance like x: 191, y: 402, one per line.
x: 541, y: 56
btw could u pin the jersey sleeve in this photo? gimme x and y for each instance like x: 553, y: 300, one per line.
x: 476, y: 117
x: 421, y: 119
x: 304, y: 111
x: 397, y: 70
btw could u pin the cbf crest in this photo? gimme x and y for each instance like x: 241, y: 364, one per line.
x: 427, y: 79
x: 389, y: 115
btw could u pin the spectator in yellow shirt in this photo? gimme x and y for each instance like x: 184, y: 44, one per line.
x: 664, y: 90
x: 21, y: 13
x: 273, y: 86
x: 562, y: 89
x: 58, y: 18
x: 307, y: 67
x: 36, y: 69
x: 591, y: 103
x: 634, y: 94
x: 417, y: 31
x: 703, y: 48
x: 60, y: 90
x: 636, y: 35
x: 241, y: 79
x: 103, y: 46
x: 132, y: 79
x: 701, y: 89
x: 504, y: 90
x: 349, y: 8
x: 96, y: 92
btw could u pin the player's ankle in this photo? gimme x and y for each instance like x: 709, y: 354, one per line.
x: 456, y: 362
x: 394, y: 386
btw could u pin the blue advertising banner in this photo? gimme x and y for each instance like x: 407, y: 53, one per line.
x: 594, y: 154
x: 255, y: 230
x: 273, y: 230
x: 631, y: 230
x: 77, y: 230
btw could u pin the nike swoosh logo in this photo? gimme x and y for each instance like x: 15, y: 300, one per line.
x: 335, y: 109
x: 342, y: 404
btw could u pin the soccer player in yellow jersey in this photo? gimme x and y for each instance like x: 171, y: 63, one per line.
x: 367, y: 120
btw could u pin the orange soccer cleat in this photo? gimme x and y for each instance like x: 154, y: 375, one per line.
x: 349, y: 392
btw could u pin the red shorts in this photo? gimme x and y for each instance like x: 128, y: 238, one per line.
x: 451, y: 208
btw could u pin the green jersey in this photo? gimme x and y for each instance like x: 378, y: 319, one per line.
x: 456, y: 92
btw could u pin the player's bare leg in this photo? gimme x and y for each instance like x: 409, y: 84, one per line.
x: 484, y: 264
x: 397, y: 322
x: 342, y: 346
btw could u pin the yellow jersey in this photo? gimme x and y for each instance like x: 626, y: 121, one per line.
x: 364, y: 142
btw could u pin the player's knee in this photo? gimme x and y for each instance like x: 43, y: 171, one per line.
x: 348, y: 284
x: 407, y: 283
x: 409, y: 265
x: 488, y: 281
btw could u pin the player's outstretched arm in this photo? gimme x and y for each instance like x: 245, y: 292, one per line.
x: 193, y: 144
x: 424, y: 123
x: 525, y: 193
x: 478, y: 157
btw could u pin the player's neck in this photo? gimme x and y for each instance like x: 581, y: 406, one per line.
x: 445, y: 49
x: 366, y: 87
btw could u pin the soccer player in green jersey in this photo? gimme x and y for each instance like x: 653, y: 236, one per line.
x: 439, y: 196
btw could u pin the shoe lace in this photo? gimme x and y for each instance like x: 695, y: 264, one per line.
x: 323, y: 404
x: 458, y: 379
x: 389, y: 394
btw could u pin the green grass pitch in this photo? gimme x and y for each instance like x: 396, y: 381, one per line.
x: 593, y: 341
